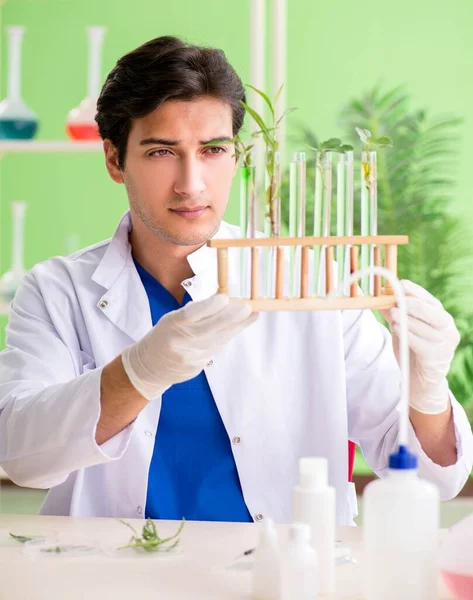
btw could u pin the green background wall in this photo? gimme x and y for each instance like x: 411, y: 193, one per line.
x: 336, y: 51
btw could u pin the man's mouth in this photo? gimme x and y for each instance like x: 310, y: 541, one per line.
x: 190, y: 212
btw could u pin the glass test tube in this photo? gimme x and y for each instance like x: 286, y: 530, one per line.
x: 297, y: 209
x: 365, y: 217
x: 373, y: 208
x: 317, y: 215
x: 247, y: 218
x: 326, y: 197
x: 341, y: 219
x: 349, y: 210
x: 272, y: 220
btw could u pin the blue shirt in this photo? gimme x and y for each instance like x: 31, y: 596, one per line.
x: 192, y: 472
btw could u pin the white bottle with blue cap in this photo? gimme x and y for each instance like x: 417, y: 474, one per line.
x: 400, y: 533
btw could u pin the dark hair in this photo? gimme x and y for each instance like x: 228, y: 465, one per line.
x: 165, y: 68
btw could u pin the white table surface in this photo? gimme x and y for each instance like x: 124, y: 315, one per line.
x: 198, y: 573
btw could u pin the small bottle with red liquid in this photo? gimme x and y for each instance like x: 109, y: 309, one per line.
x: 81, y: 123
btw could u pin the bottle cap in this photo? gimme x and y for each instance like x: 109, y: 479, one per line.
x: 403, y: 460
x: 313, y: 472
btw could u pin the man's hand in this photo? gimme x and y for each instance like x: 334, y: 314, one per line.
x: 182, y: 343
x: 433, y: 338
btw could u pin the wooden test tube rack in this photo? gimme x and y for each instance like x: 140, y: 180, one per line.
x: 382, y: 297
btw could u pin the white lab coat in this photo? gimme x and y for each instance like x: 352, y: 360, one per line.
x: 293, y: 384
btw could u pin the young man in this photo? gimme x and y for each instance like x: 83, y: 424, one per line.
x: 130, y: 389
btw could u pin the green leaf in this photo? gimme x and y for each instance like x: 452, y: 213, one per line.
x: 286, y: 113
x: 331, y: 144
x: 23, y: 538
x: 264, y: 96
x: 266, y: 132
x: 150, y: 540
x: 278, y: 94
x: 346, y: 148
x: 177, y: 534
x: 256, y: 117
x: 383, y: 141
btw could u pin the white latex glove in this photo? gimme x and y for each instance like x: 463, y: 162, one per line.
x: 182, y: 342
x: 433, y: 338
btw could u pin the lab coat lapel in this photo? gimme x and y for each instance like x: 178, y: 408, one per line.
x: 124, y: 302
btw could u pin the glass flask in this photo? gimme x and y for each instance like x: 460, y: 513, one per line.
x: 81, y: 123
x: 17, y: 121
x: 10, y: 280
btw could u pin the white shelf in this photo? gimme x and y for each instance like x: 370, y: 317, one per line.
x: 49, y: 146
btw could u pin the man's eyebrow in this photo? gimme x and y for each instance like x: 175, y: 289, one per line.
x: 152, y: 141
x: 223, y: 139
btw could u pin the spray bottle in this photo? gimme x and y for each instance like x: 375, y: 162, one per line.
x: 401, y: 511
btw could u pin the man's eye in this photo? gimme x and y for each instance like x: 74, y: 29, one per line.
x: 215, y: 150
x: 160, y: 152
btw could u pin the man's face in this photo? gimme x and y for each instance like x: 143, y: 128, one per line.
x: 177, y: 185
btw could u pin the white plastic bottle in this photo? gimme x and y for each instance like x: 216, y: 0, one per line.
x: 400, y: 533
x: 267, y: 564
x: 299, y: 572
x: 314, y: 503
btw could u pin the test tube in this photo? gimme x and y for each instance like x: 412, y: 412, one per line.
x: 247, y: 216
x: 349, y: 209
x: 297, y: 209
x: 341, y: 219
x: 318, y: 214
x: 272, y: 221
x: 275, y: 198
x: 327, y: 193
x: 373, y: 208
x: 326, y: 197
x: 365, y: 217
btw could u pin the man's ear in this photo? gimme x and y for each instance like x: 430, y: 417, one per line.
x: 111, y: 161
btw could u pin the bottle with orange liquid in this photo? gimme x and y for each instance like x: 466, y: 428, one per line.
x: 81, y: 123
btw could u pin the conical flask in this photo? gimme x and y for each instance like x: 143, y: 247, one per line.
x: 81, y: 123
x: 17, y: 121
x: 10, y: 280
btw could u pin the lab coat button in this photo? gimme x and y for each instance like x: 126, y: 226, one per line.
x: 210, y: 363
x: 187, y: 283
x: 259, y: 517
x: 139, y: 510
x: 148, y: 433
x: 236, y: 440
x: 103, y: 304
